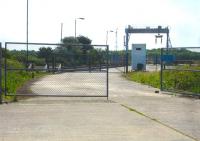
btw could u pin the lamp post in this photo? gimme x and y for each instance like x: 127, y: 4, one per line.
x: 75, y: 25
x: 107, y: 36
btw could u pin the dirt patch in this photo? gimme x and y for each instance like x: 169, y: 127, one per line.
x: 26, y: 89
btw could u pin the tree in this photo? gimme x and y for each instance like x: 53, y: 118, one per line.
x: 46, y: 53
x: 86, y: 43
x: 74, y: 51
x: 84, y: 40
x: 69, y: 40
x: 86, y: 48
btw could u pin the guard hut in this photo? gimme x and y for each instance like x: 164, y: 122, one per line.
x: 138, y: 57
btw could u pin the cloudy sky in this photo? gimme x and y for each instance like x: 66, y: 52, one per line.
x: 46, y: 16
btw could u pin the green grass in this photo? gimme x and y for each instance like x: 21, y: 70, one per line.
x: 172, y: 80
x: 182, y: 80
x: 148, y: 78
x: 16, y: 79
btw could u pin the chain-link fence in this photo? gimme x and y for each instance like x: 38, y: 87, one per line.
x: 117, y: 60
x: 180, y: 70
x: 44, y: 69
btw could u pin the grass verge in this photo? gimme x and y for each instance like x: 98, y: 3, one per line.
x: 182, y: 81
x: 147, y: 78
x: 16, y: 80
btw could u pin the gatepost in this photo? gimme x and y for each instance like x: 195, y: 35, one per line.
x: 0, y: 74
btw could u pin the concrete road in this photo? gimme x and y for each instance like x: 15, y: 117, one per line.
x: 179, y: 113
x: 133, y: 112
x: 71, y: 83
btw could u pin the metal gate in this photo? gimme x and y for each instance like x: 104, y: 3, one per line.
x: 57, y: 70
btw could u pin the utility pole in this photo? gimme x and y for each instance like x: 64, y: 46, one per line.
x: 27, y: 16
x: 61, y: 32
x: 116, y: 45
x: 75, y: 29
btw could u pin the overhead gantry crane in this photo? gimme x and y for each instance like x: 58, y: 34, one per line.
x: 159, y: 30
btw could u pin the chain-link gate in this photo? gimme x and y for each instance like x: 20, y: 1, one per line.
x: 60, y: 70
x: 180, y: 70
x: 117, y: 61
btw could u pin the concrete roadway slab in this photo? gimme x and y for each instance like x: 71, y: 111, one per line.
x: 71, y: 83
x: 134, y: 112
x: 79, y: 120
x: 180, y: 113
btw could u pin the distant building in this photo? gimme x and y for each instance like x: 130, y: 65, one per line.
x: 138, y: 57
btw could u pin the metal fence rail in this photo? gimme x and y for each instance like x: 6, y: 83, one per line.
x: 180, y: 70
x: 57, y: 70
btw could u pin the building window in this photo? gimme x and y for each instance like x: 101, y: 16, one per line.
x: 138, y: 48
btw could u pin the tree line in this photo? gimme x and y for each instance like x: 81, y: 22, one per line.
x: 70, y: 52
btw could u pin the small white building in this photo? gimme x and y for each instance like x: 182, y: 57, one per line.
x: 138, y: 57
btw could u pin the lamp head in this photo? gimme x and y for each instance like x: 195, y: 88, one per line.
x: 81, y: 18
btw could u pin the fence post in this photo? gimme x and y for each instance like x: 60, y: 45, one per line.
x: 1, y: 99
x: 107, y: 71
x: 161, y: 70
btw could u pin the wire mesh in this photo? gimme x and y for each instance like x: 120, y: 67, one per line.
x: 181, y: 70
x: 56, y: 70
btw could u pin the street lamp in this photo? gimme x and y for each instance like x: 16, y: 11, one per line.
x: 107, y: 35
x: 75, y: 24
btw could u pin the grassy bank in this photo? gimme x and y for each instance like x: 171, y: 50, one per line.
x: 16, y: 79
x: 147, y: 78
x: 172, y: 80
